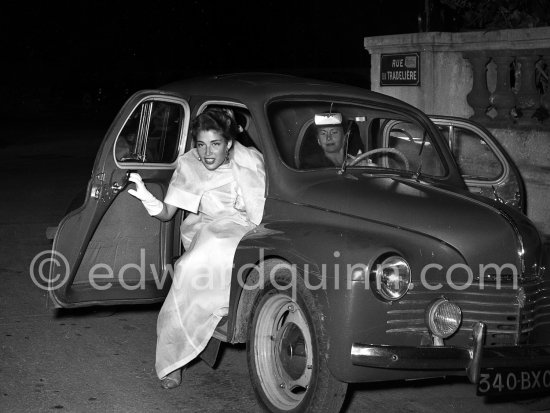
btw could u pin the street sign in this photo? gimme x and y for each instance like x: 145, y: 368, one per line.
x: 400, y: 69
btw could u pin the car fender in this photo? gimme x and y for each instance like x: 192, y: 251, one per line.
x: 301, y: 244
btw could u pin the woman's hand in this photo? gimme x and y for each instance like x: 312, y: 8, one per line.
x: 151, y: 204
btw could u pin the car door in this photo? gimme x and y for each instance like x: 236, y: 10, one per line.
x: 484, y: 165
x: 110, y: 251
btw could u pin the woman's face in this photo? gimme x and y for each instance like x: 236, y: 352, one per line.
x: 212, y: 148
x: 331, y: 138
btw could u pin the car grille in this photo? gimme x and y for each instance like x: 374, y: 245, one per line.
x: 536, y: 311
x: 509, y: 313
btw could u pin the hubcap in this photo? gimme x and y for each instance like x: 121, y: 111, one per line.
x: 283, y: 351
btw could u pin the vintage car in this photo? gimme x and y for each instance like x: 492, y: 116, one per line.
x: 397, y: 264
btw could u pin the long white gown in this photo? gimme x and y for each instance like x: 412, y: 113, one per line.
x: 199, y: 296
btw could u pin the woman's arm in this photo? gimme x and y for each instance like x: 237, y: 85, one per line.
x: 167, y: 212
x: 154, y: 207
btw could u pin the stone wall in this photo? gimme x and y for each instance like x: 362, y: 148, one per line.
x: 459, y: 70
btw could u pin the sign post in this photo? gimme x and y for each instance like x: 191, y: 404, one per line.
x: 400, y: 69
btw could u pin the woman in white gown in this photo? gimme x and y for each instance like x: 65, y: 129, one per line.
x: 222, y: 184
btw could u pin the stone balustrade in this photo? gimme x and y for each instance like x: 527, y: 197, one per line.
x: 520, y: 94
x: 499, y: 78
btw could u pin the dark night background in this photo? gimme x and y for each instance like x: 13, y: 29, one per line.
x: 81, y: 58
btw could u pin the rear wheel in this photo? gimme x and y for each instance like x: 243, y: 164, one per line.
x: 287, y: 350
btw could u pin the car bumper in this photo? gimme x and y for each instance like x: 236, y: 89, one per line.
x: 472, y: 359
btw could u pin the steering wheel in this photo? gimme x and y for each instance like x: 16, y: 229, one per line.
x: 364, y: 155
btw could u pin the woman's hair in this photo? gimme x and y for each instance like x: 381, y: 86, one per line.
x: 217, y: 120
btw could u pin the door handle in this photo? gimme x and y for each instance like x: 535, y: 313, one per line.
x: 116, y: 187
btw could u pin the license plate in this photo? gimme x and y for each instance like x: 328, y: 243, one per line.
x: 495, y: 381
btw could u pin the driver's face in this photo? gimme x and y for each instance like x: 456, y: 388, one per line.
x: 331, y: 138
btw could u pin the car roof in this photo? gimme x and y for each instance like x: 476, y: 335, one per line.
x: 261, y: 87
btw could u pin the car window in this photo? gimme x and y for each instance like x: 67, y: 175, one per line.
x: 151, y: 133
x: 412, y: 140
x: 372, y: 137
x: 474, y: 157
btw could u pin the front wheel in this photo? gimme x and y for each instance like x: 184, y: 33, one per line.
x: 287, y: 350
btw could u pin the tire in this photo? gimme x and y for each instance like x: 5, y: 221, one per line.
x: 287, y: 349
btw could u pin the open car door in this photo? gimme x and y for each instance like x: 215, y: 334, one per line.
x: 109, y: 250
x: 484, y: 165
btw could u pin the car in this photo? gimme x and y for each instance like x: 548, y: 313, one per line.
x: 400, y: 263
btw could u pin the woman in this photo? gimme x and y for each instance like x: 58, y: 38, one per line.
x: 335, y: 145
x: 222, y: 184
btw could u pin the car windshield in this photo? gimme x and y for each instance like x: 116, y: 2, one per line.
x: 320, y: 134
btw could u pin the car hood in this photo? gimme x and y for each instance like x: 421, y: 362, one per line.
x: 480, y: 229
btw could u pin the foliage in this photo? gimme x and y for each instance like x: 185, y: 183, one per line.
x: 500, y: 14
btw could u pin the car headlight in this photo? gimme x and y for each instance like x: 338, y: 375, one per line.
x: 390, y: 278
x: 443, y: 318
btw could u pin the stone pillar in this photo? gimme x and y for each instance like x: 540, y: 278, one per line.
x: 503, y: 98
x: 478, y: 98
x: 528, y: 97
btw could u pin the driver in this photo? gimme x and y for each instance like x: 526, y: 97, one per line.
x: 331, y: 139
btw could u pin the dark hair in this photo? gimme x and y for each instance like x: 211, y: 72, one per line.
x: 216, y: 120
